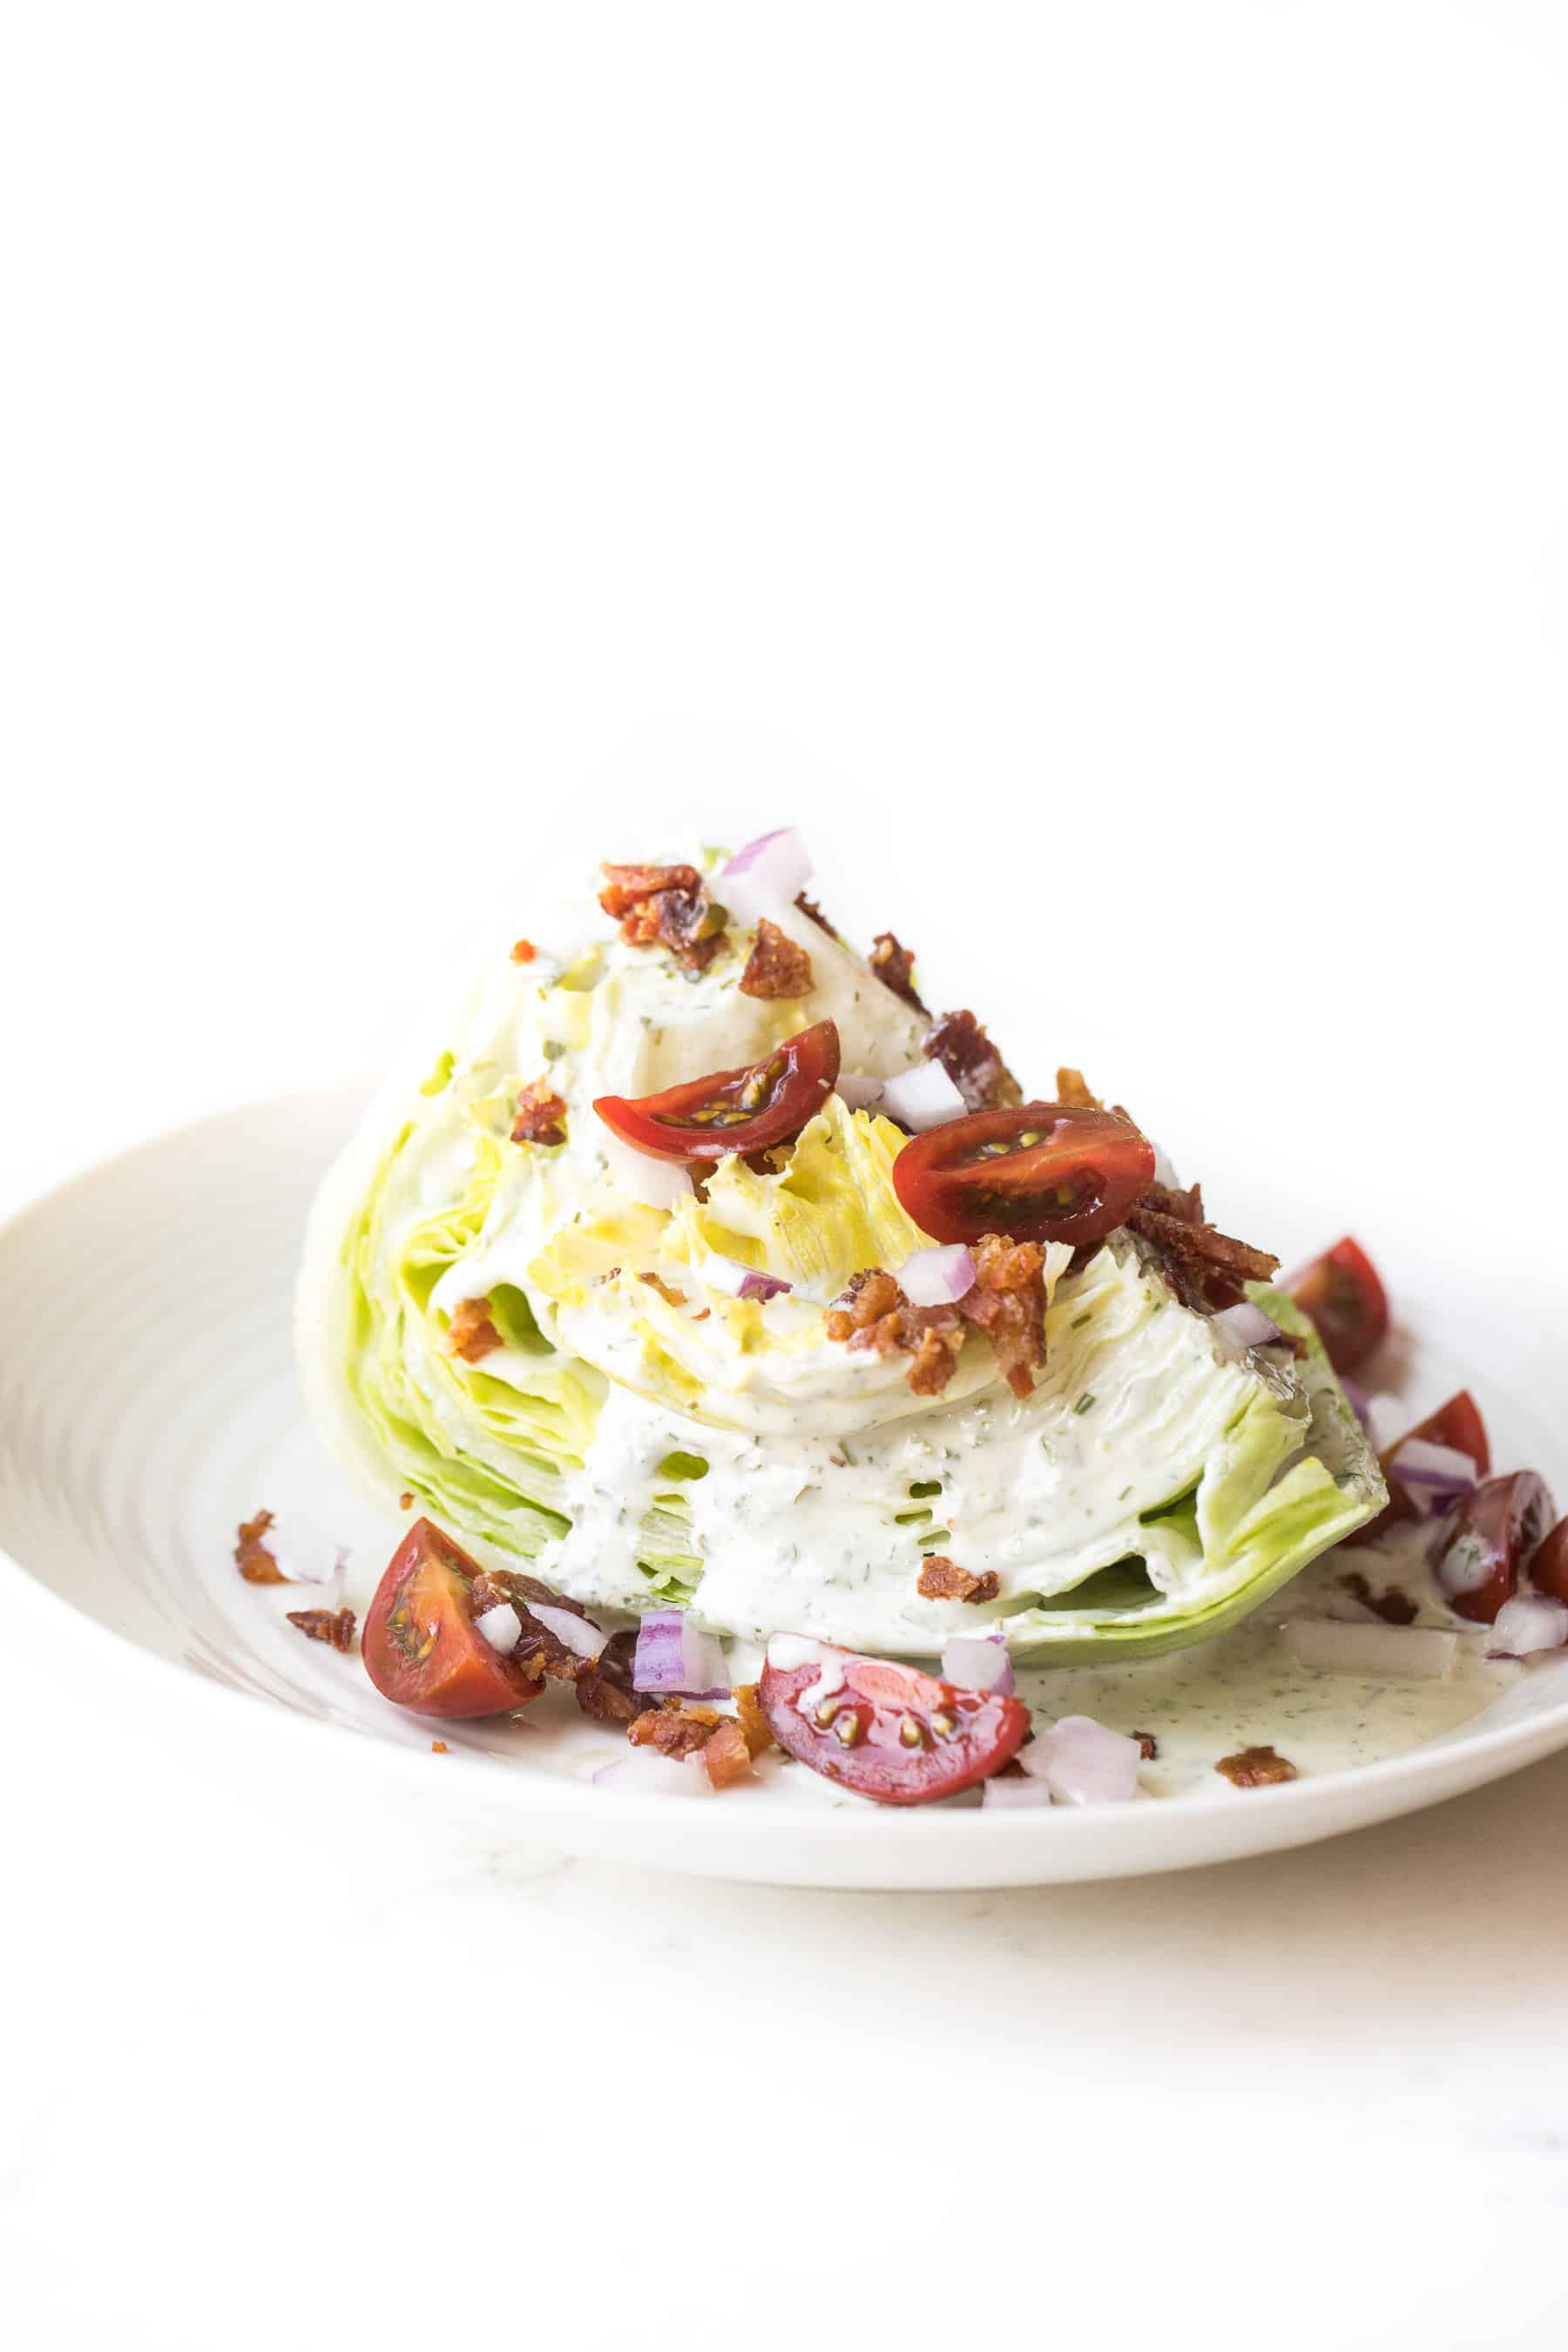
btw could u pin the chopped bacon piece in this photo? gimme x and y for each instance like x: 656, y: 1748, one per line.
x: 959, y: 1043
x: 756, y: 1728
x: 438, y: 1747
x: 726, y: 1755
x: 943, y: 1580
x: 935, y: 1359
x: 1206, y: 1268
x: 251, y: 1557
x: 1149, y: 1746
x: 675, y: 1731
x: 664, y: 905
x: 523, y: 950
x: 405, y: 1501
x: 1073, y: 1089
x: 538, y: 1650
x: 604, y: 1684
x: 894, y: 967
x: 1255, y: 1768
x: 666, y: 1290
x: 334, y: 1625
x: 540, y: 1112
x: 1008, y: 1304
x: 776, y: 966
x: 470, y: 1333
x: 1395, y: 1608
x: 813, y: 912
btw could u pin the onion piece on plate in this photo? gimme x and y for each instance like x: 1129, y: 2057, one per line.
x: 738, y: 1281
x: 1432, y: 1476
x: 642, y: 1772
x: 1529, y: 1622
x: 1375, y: 1650
x: 1082, y: 1762
x: 676, y: 1659
x: 856, y: 1091
x: 501, y: 1628
x: 578, y: 1634
x: 977, y: 1661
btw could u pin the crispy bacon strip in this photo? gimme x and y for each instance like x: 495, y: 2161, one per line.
x: 941, y: 1578
x: 1074, y: 1090
x: 1206, y: 1268
x: 666, y: 1290
x: 756, y: 1728
x: 540, y: 1112
x: 470, y: 1333
x: 334, y: 1625
x: 538, y: 1650
x: 675, y: 1731
x: 251, y: 1557
x: 813, y: 912
x: 777, y: 966
x: 894, y: 967
x: 959, y: 1043
x: 1255, y: 1768
x: 664, y: 905
x: 1395, y: 1608
x: 604, y: 1684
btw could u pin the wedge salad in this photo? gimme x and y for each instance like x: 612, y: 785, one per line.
x: 710, y: 1300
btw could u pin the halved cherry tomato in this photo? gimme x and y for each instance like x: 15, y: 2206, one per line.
x: 1478, y: 1557
x: 889, y: 1731
x: 733, y: 1111
x: 1548, y: 1568
x: 1044, y: 1172
x: 419, y: 1644
x: 1457, y: 1424
x: 1341, y: 1293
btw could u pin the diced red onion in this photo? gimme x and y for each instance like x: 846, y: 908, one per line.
x: 921, y: 1098
x: 977, y: 1661
x: 1432, y: 1476
x: 303, y: 1553
x: 675, y: 1657
x: 655, y: 1183
x: 768, y: 873
x: 578, y: 1634
x: 1374, y: 1650
x: 502, y: 1627
x: 1357, y: 1399
x: 642, y: 1772
x: 1004, y: 1789
x: 1529, y: 1622
x: 937, y: 1277
x: 1083, y: 1763
x: 739, y: 1281
x: 1247, y: 1326
x: 856, y: 1091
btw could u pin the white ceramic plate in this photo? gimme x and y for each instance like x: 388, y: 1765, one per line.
x: 148, y: 1403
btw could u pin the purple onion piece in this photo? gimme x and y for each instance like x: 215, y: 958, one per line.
x: 674, y: 1658
x: 977, y: 1661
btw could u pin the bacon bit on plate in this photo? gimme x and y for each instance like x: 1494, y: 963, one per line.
x: 470, y: 1334
x: 675, y: 1731
x: 755, y: 1730
x: 1203, y: 1267
x: 894, y: 967
x: 251, y: 1557
x: 813, y: 914
x: 605, y: 1685
x: 438, y: 1747
x: 1148, y: 1744
x: 1255, y: 1768
x: 727, y: 1756
x: 777, y: 966
x: 523, y: 950
x: 540, y: 1112
x: 943, y: 1580
x: 959, y: 1043
x: 666, y: 1290
x: 1395, y: 1608
x: 405, y: 1502
x: 1074, y: 1089
x: 334, y: 1625
x: 664, y: 905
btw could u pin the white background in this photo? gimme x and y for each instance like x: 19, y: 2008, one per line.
x: 1101, y: 470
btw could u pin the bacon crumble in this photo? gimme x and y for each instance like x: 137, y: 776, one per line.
x: 666, y: 1290
x: 604, y: 1684
x: 756, y: 1728
x: 1395, y: 1608
x: 1007, y: 1303
x: 1206, y: 1268
x: 674, y: 1731
x: 470, y: 1333
x: 813, y: 914
x: 438, y: 1747
x: 334, y: 1625
x: 523, y: 950
x: 959, y: 1043
x: 251, y: 1557
x: 1074, y: 1093
x: 540, y: 1112
x: 777, y: 966
x: 1255, y: 1768
x: 894, y: 966
x: 665, y: 906
x: 1148, y: 1745
x: 539, y: 1651
x: 941, y: 1578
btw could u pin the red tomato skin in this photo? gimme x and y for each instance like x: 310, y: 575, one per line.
x: 1344, y: 1294
x: 812, y: 1067
x: 988, y: 1729
x: 1549, y: 1567
x: 1505, y: 1518
x: 1457, y: 1424
x: 956, y: 1197
x: 423, y: 1599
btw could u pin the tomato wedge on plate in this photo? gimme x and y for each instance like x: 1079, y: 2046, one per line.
x: 420, y: 1645
x: 733, y: 1111
x: 889, y: 1732
x: 1485, y: 1543
x: 1548, y: 1568
x: 1457, y: 1424
x: 1341, y: 1293
x: 1044, y: 1172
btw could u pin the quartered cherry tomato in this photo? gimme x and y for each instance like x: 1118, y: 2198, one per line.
x: 1044, y: 1172
x: 419, y: 1644
x: 1485, y: 1543
x: 1548, y: 1568
x: 1341, y: 1293
x: 733, y: 1111
x: 1457, y: 1424
x: 889, y: 1731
